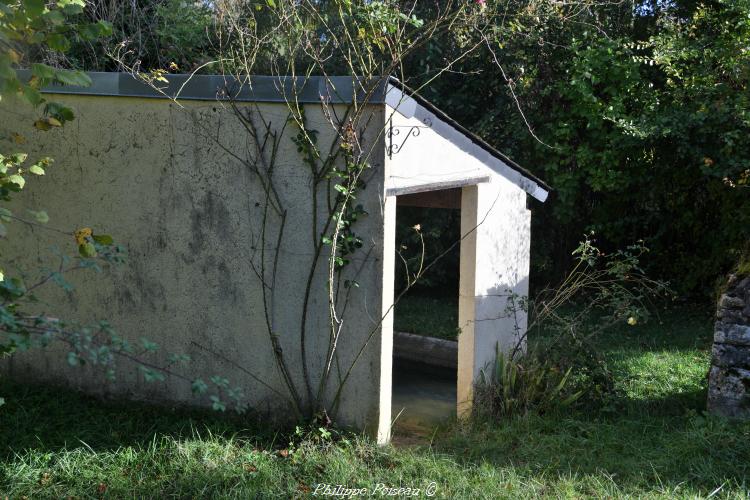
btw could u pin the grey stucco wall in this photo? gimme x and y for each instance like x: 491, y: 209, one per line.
x: 159, y: 179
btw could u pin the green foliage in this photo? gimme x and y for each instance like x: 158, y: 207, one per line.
x: 29, y: 26
x: 563, y: 364
x: 378, y: 19
x: 639, y: 122
x: 641, y: 113
x: 173, y: 35
x: 517, y: 387
x: 705, y: 68
x: 635, y: 121
x: 743, y: 268
x: 185, y: 33
x: 433, y: 316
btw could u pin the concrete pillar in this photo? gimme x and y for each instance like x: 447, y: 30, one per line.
x: 386, y: 343
x: 495, y: 226
x: 466, y: 304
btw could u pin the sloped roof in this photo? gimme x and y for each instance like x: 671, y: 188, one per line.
x: 314, y: 89
x: 469, y: 134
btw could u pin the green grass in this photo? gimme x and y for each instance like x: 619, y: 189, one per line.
x: 424, y: 315
x: 662, y: 364
x: 56, y: 443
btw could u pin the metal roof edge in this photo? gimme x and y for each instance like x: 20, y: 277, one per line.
x: 313, y: 89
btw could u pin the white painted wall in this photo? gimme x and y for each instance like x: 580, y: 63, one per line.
x: 439, y: 153
x: 495, y: 226
x: 494, y: 266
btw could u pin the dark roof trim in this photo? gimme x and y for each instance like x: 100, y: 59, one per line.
x: 337, y: 89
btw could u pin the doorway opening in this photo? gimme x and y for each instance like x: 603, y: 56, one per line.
x: 426, y: 319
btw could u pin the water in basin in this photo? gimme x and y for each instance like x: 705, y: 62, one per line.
x: 423, y: 397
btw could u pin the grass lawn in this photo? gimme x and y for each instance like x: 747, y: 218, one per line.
x: 425, y: 315
x: 658, y: 443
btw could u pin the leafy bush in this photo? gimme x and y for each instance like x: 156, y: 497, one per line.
x: 154, y: 34
x: 556, y: 363
x: 743, y: 266
x: 529, y: 383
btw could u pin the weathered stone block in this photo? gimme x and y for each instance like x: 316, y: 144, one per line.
x: 427, y: 350
x: 729, y: 392
x: 729, y: 378
x: 728, y: 333
x: 733, y: 316
x: 729, y: 302
x: 729, y: 356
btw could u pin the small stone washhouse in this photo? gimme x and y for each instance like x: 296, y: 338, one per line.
x: 173, y: 181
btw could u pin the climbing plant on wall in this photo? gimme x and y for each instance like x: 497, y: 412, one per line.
x: 292, y: 41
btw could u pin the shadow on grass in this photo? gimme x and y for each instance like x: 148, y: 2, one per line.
x: 669, y: 405
x: 637, y: 452
x: 654, y: 436
x: 51, y: 419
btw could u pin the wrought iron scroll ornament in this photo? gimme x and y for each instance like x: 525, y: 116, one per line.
x: 395, y: 134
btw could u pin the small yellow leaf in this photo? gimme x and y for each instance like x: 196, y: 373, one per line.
x: 18, y: 138
x: 42, y: 125
x: 83, y: 234
x: 34, y: 82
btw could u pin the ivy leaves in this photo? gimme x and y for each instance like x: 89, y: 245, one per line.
x: 13, y: 170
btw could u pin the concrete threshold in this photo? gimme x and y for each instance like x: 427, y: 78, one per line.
x: 427, y: 350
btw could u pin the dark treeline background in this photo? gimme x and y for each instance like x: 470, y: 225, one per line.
x: 642, y: 118
x: 637, y: 114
